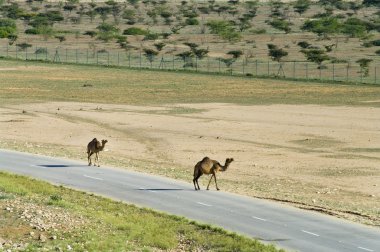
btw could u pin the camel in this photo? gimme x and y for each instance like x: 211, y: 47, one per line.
x: 209, y: 166
x: 94, y: 147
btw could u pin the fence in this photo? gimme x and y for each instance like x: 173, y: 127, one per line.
x: 339, y: 72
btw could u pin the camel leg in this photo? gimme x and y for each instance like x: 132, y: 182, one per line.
x: 96, y: 159
x: 213, y: 175
x: 195, y: 181
x: 217, y: 188
x: 89, y: 158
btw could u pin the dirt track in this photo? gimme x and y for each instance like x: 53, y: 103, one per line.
x: 324, y: 157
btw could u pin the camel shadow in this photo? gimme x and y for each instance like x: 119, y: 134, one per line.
x: 60, y: 166
x: 160, y: 189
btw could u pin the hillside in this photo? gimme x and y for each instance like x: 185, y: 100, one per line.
x: 226, y: 33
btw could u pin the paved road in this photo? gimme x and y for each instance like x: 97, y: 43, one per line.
x: 284, y: 226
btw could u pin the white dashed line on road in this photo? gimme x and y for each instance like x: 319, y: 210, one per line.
x: 92, y: 177
x: 310, y: 233
x: 365, y: 249
x: 204, y: 204
x: 257, y: 218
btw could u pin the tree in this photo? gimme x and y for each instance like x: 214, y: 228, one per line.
x: 371, y: 2
x: 159, y: 46
x: 301, y: 6
x: 107, y: 32
x: 187, y: 58
x: 150, y: 54
x: 224, y: 29
x: 355, y: 28
x: 276, y: 53
x: 316, y: 56
x: 364, y: 66
x: 236, y: 53
x: 8, y: 28
x: 281, y: 24
x: 103, y: 11
x: 323, y: 27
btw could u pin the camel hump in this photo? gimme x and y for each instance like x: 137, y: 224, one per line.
x: 205, y: 159
x: 94, y: 140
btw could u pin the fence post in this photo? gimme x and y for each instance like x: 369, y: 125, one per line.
x: 219, y: 64
x: 46, y: 54
x: 333, y: 72
x: 66, y: 55
x: 375, y: 75
x: 26, y: 53
x: 196, y: 64
x: 347, y: 72
x: 129, y: 59
x: 257, y: 62
x: 35, y: 52
x: 97, y: 57
x: 243, y: 67
x: 76, y: 56
x: 268, y: 68
x: 118, y: 59
x: 7, y: 50
x: 307, y: 71
x: 16, y: 53
x: 140, y: 58
x: 173, y: 62
x: 208, y: 64
x: 294, y: 69
x: 108, y: 58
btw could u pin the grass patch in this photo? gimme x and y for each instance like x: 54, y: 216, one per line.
x: 111, y: 225
x: 35, y: 82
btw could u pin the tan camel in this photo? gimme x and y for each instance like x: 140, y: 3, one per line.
x: 94, y: 147
x: 209, y: 166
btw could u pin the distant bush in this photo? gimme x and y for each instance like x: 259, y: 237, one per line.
x: 376, y: 42
x: 303, y: 44
x: 259, y: 31
x: 135, y: 31
x: 192, y: 21
x: 377, y: 52
x: 151, y: 36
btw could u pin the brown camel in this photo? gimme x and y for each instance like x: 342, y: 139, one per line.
x: 94, y: 147
x: 209, y: 166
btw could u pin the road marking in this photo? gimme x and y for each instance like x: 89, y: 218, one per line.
x: 257, y: 218
x: 310, y: 233
x: 366, y: 249
x: 92, y: 177
x: 203, y: 204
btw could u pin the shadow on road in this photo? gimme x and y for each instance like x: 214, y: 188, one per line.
x: 59, y: 166
x: 160, y: 189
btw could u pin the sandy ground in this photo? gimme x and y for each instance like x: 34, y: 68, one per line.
x: 324, y: 157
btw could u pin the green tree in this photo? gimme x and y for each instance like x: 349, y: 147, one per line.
x: 301, y: 6
x: 106, y: 32
x: 323, y: 27
x: 150, y: 54
x: 316, y: 56
x: 355, y: 28
x: 364, y: 66
x: 8, y: 28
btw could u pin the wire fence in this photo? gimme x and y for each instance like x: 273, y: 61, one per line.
x: 338, y: 72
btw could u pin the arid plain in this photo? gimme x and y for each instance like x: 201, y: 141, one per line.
x: 308, y: 144
x: 325, y: 158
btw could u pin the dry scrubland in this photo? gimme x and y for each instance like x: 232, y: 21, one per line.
x: 313, y: 145
x: 148, y: 16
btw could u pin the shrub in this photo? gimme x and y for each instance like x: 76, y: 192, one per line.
x: 377, y: 52
x: 151, y: 36
x: 192, y: 21
x: 303, y: 44
x: 135, y: 31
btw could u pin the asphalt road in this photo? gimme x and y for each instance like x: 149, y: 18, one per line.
x: 271, y: 222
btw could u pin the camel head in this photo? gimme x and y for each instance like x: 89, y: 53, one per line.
x: 228, y: 162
